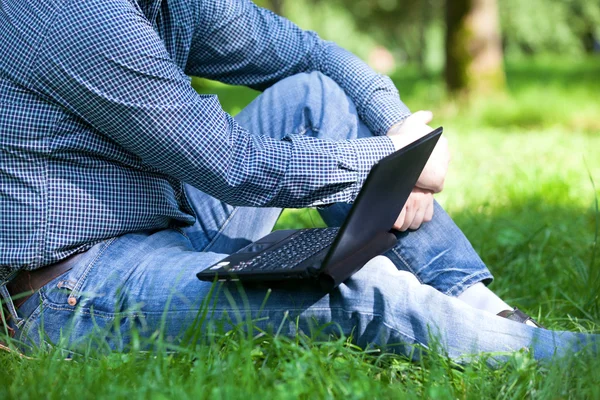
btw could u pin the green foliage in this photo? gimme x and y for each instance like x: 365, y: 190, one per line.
x: 542, y: 93
x: 549, y: 26
x: 332, y: 23
x: 402, y: 26
x: 413, y: 30
x: 268, y: 366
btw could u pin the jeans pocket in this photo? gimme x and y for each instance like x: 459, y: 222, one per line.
x: 28, y: 335
x: 65, y: 290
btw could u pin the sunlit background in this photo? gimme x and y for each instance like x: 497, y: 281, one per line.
x: 433, y: 34
x: 516, y: 86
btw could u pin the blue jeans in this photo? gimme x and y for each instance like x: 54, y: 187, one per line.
x: 145, y: 282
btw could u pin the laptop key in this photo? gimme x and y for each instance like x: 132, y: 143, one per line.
x: 302, y: 246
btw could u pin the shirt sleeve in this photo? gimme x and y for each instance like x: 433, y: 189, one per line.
x: 111, y: 69
x: 239, y: 43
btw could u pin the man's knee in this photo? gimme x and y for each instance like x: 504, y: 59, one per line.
x: 316, y: 92
x: 314, y: 81
x: 380, y: 269
x: 380, y: 285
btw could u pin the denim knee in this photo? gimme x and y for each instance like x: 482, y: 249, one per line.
x: 379, y: 287
x: 440, y: 255
x: 320, y: 107
x: 386, y: 307
x: 313, y: 80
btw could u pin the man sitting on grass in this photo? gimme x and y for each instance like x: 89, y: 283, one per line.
x: 120, y: 182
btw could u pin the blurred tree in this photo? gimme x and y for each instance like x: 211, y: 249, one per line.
x: 565, y: 27
x: 473, y: 47
x: 473, y: 51
x: 274, y: 5
x: 400, y: 25
x: 277, y: 6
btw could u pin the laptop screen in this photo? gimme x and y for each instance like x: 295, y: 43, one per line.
x: 378, y: 204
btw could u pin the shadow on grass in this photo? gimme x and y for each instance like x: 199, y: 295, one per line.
x: 543, y: 254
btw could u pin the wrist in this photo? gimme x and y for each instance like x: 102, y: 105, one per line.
x: 394, y: 129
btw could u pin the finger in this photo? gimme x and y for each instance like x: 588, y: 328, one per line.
x: 410, y: 214
x: 400, y: 219
x: 429, y: 212
x: 419, y: 213
x: 423, y: 116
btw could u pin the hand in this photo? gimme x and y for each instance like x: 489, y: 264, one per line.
x: 415, y: 127
x: 418, y: 209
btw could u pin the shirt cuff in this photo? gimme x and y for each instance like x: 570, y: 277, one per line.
x: 385, y: 109
x: 365, y: 152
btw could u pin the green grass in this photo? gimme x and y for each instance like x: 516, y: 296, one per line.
x: 521, y: 186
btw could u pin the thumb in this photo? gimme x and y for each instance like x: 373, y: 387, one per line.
x: 424, y: 117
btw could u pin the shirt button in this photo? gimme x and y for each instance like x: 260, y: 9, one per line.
x: 72, y: 301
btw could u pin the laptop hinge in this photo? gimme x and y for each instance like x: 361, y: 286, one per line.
x: 341, y: 270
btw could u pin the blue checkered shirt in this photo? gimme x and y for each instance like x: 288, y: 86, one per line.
x: 99, y: 125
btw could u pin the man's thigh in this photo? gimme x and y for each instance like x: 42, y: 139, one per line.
x: 144, y: 284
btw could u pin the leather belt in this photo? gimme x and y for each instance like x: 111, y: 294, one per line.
x: 26, y: 283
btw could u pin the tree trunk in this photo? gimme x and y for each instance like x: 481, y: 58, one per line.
x: 473, y: 47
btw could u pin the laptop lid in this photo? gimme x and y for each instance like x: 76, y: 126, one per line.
x: 366, y: 231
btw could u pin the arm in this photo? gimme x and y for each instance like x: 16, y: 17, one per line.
x: 116, y: 75
x: 239, y: 43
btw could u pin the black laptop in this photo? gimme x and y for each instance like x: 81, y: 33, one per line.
x: 332, y: 255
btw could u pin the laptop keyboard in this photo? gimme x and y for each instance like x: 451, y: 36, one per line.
x: 300, y: 247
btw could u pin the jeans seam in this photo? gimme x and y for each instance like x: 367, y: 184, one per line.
x: 84, y: 310
x: 223, y: 225
x: 459, y: 287
x: 407, y: 265
x: 404, y: 334
x: 81, y: 281
x: 108, y: 316
x: 10, y: 306
x: 29, y: 321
